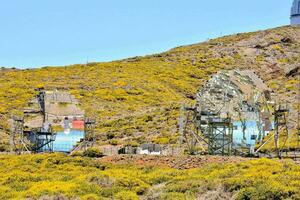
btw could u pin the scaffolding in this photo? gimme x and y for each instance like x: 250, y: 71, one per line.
x: 189, y: 131
x: 280, y: 135
x: 281, y: 130
x: 89, y: 139
x: 17, y: 142
x: 43, y: 141
x: 206, y: 132
x: 220, y: 137
x: 30, y: 141
x: 89, y: 131
x: 47, y: 111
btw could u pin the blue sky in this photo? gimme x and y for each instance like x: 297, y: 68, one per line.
x: 35, y: 33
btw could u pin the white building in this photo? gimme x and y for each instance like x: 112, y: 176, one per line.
x: 295, y: 13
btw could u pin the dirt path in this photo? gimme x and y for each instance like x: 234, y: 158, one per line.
x: 176, y: 162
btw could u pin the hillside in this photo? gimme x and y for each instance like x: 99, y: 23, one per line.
x: 138, y: 99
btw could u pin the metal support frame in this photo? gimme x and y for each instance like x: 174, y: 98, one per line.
x: 281, y: 130
x: 43, y: 141
x: 220, y: 137
x: 89, y: 136
x: 33, y: 140
x: 39, y: 139
x: 190, y: 131
x: 18, y: 141
x: 213, y: 136
x: 89, y: 132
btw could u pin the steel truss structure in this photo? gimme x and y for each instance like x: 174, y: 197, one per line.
x: 30, y: 141
x: 89, y: 139
x: 220, y: 137
x: 205, y: 128
x: 280, y: 133
x: 205, y: 132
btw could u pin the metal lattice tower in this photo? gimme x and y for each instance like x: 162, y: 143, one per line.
x: 281, y: 129
x: 189, y: 130
x: 220, y: 137
x: 206, y: 132
x: 281, y: 132
x: 43, y: 140
x: 35, y: 140
x: 89, y: 132
x: 17, y: 138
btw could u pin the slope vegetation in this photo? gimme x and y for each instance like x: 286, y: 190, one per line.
x: 57, y: 176
x: 137, y: 100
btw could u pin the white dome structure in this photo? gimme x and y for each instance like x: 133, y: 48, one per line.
x: 295, y: 13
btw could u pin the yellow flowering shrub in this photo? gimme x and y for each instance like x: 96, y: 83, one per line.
x: 58, y: 175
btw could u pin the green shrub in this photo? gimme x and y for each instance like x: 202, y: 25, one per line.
x: 93, y: 153
x: 77, y: 153
x: 173, y: 196
x: 3, y: 147
x: 126, y: 195
x: 110, y: 136
x: 114, y: 142
x: 34, y: 176
x: 91, y: 197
